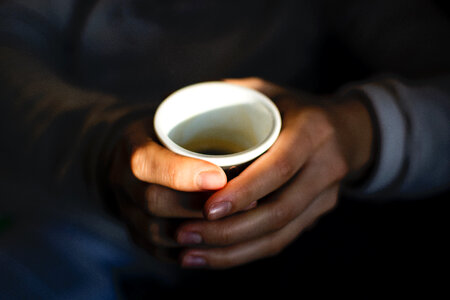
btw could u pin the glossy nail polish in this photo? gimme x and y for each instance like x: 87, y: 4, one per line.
x: 193, y: 261
x: 189, y: 238
x: 219, y: 210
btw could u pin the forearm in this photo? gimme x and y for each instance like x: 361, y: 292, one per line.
x: 52, y: 129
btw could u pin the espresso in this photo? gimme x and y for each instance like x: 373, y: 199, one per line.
x: 204, y: 134
x: 213, y: 146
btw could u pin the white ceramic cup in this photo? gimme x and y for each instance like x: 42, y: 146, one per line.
x: 216, y: 114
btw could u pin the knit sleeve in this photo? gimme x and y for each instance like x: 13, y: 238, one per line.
x: 52, y: 131
x: 412, y: 130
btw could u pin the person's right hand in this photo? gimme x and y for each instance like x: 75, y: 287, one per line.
x: 155, y: 188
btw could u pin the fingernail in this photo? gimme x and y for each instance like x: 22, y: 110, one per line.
x: 219, y: 210
x: 187, y: 238
x: 193, y: 261
x: 210, y: 180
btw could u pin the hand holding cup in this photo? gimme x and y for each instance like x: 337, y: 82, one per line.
x: 294, y: 182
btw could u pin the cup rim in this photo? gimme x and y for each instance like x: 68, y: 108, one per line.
x: 227, y: 160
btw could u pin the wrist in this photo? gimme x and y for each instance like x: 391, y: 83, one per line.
x: 354, y: 130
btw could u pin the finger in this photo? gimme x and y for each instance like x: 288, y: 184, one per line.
x: 265, y: 87
x: 266, y: 246
x: 271, y: 215
x: 269, y: 172
x: 164, y: 202
x: 276, y: 92
x: 161, y: 201
x: 156, y: 231
x: 276, y: 211
x: 153, y: 163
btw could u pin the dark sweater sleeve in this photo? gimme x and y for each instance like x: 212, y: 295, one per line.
x: 52, y: 132
x: 408, y: 44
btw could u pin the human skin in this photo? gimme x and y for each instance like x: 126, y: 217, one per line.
x: 221, y: 224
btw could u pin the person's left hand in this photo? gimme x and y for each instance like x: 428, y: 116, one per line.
x: 288, y: 188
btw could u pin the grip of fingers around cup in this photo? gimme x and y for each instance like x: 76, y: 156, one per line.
x: 222, y: 123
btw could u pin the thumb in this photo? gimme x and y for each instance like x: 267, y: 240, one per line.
x: 155, y: 164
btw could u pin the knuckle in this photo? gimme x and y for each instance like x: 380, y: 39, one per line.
x: 138, y: 163
x: 320, y: 127
x: 217, y: 234
x: 245, y: 193
x: 170, y: 177
x: 224, y: 236
x: 340, y: 168
x: 175, y: 178
x: 286, y: 168
x: 281, y: 216
x: 325, y: 131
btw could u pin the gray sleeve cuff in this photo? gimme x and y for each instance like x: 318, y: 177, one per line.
x: 390, y: 138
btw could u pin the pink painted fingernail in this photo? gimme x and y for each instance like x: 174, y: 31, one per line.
x: 193, y: 261
x: 189, y: 238
x: 219, y: 210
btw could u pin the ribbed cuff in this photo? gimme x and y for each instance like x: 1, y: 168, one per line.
x: 390, y: 142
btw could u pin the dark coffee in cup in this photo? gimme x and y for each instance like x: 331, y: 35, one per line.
x: 210, y: 139
x: 213, y: 146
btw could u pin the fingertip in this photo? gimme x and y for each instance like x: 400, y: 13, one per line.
x: 193, y: 260
x: 218, y: 210
x: 211, y: 180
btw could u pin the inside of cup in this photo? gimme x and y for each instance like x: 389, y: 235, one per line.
x: 215, y: 119
x: 224, y: 130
